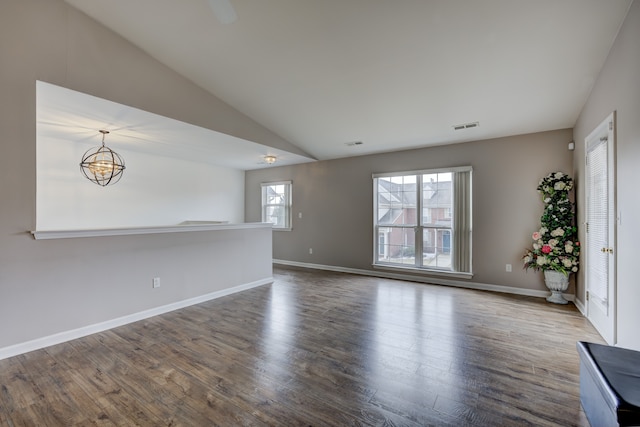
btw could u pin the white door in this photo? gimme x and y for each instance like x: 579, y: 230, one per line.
x: 600, y: 229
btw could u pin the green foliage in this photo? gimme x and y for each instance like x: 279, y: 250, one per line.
x: 555, y: 244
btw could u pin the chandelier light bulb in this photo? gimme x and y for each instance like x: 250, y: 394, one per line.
x: 102, y: 166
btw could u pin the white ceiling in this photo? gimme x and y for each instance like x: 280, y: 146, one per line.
x: 74, y: 117
x: 392, y: 74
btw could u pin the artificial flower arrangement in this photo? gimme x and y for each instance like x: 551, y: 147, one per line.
x: 555, y: 245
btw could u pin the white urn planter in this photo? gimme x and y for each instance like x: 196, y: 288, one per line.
x: 557, y: 283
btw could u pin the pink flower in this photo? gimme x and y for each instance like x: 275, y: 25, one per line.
x: 546, y: 249
x: 536, y: 235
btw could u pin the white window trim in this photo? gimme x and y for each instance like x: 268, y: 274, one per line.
x: 414, y: 268
x: 423, y: 171
x: 429, y: 271
x: 288, y: 204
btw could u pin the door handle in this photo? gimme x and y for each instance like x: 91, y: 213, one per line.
x: 607, y: 250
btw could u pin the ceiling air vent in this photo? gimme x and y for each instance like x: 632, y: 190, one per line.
x: 466, y: 126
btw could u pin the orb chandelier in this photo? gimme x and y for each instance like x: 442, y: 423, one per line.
x: 102, y: 165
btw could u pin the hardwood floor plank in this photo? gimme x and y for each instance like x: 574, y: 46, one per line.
x: 315, y: 349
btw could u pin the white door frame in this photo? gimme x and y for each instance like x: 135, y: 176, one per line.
x: 603, y: 315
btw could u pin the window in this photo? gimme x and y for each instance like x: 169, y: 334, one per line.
x: 425, y: 218
x: 276, y: 204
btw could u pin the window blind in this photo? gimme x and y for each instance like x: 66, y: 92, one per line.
x: 598, y: 225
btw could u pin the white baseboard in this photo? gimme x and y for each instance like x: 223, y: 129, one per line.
x: 581, y: 306
x: 65, y: 336
x: 432, y: 280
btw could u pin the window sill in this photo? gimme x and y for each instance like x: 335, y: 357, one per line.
x: 425, y: 271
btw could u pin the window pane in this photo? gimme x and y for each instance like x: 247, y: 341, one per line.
x: 397, y: 200
x: 437, y: 200
x: 436, y: 252
x: 275, y: 215
x: 277, y: 193
x: 397, y: 245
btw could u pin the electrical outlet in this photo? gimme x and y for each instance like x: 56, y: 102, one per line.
x: 156, y: 282
x: 300, y: 215
x: 310, y: 251
x: 509, y: 268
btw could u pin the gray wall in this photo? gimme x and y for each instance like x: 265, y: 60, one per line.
x: 618, y: 89
x: 47, y: 287
x: 336, y: 201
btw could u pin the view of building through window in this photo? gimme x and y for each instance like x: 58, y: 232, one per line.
x: 402, y: 234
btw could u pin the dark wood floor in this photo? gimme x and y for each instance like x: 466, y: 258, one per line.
x: 315, y: 349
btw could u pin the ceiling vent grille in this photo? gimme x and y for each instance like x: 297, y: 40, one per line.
x: 466, y: 126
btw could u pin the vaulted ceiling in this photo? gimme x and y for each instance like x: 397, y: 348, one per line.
x: 393, y: 75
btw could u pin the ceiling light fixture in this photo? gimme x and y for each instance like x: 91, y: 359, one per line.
x: 102, y: 165
x: 270, y: 159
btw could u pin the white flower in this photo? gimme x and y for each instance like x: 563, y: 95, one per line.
x: 550, y: 250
